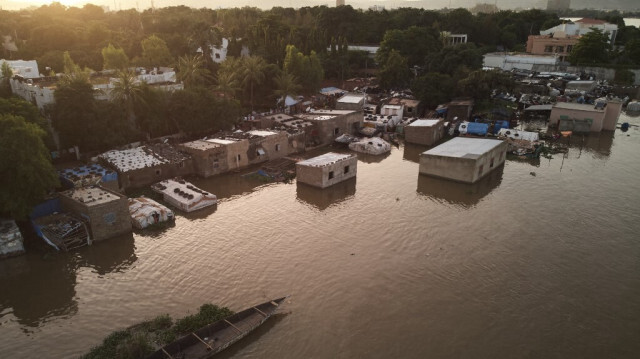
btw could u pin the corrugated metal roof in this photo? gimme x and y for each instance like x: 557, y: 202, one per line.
x: 462, y: 147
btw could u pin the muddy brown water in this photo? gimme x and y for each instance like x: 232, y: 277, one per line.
x: 538, y: 260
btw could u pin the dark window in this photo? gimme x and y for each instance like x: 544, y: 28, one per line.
x: 277, y: 147
x: 238, y: 157
x: 491, y: 165
x: 331, y: 175
x: 336, y: 131
x: 346, y: 169
x: 560, y: 49
x: 569, y: 48
x: 217, y: 56
x: 548, y: 49
x: 480, y: 170
x: 158, y: 172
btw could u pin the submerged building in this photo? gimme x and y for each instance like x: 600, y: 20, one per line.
x: 424, y: 131
x: 463, y: 159
x: 569, y: 116
x: 326, y: 170
x: 11, y: 243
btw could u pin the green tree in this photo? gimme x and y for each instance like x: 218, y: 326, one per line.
x: 395, y: 73
x: 198, y: 111
x: 155, y: 52
x: 74, y: 113
x: 433, y: 89
x: 191, y: 70
x: 253, y: 69
x: 127, y: 92
x: 306, y: 68
x: 114, y: 58
x: 591, y: 48
x: 285, y: 84
x: 414, y: 44
x: 479, y: 84
x: 23, y: 186
x: 72, y: 71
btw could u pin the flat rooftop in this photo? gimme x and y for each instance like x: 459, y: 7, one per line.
x: 143, y: 156
x: 351, y: 98
x: 424, y: 123
x: 222, y: 141
x: 332, y: 112
x: 262, y: 133
x: 326, y: 159
x: 463, y: 147
x: 201, y: 145
x: 577, y: 106
x: 91, y: 196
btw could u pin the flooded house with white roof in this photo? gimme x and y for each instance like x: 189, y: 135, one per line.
x: 463, y: 159
x: 106, y: 212
x: 351, y: 101
x: 144, y: 165
x: 209, y: 158
x: 326, y: 170
x: 329, y: 124
x: 424, y: 131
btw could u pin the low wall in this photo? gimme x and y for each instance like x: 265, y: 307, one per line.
x: 601, y: 73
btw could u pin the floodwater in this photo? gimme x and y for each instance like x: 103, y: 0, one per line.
x: 538, y: 260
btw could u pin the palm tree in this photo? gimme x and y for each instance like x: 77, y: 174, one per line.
x: 253, y: 68
x: 227, y: 83
x: 286, y: 84
x: 128, y: 92
x: 191, y: 70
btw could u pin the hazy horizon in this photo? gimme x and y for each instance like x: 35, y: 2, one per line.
x: 624, y: 5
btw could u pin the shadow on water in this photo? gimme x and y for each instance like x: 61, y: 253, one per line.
x: 367, y: 158
x: 324, y: 198
x: 463, y: 194
x: 230, y: 184
x: 598, y: 144
x: 412, y: 152
x: 252, y: 337
x: 40, y: 287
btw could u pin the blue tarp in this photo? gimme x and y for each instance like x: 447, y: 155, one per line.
x: 46, y: 208
x: 67, y: 174
x: 499, y: 125
x: 477, y: 128
x: 330, y: 91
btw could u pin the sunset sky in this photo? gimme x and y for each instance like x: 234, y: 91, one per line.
x: 267, y: 4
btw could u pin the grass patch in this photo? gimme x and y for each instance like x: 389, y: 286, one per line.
x: 142, y: 339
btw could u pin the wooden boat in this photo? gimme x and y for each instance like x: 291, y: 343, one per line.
x: 213, y: 338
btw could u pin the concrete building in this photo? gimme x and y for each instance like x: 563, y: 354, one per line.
x: 424, y: 131
x: 559, y: 45
x: 410, y: 107
x: 22, y: 68
x: 106, y: 212
x: 144, y: 165
x: 463, y: 159
x: 508, y: 61
x: 39, y: 91
x: 351, y: 101
x: 568, y: 116
x: 453, y: 39
x: 460, y: 108
x: 582, y: 27
x: 329, y: 124
x: 209, y: 158
x: 326, y: 170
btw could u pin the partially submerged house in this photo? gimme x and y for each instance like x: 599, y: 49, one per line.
x: 106, y: 212
x: 329, y: 124
x: 411, y: 107
x: 146, y: 212
x: 144, y: 165
x: 183, y: 195
x: 209, y: 158
x: 326, y: 170
x: 11, y: 242
x: 371, y: 146
x: 89, y: 175
x: 424, y: 131
x: 569, y: 116
x: 460, y: 108
x: 463, y: 159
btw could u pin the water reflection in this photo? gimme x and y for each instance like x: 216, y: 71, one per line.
x: 367, y: 158
x: 463, y: 194
x: 324, y: 198
x: 598, y: 144
x: 412, y: 152
x: 26, y: 281
x: 229, y: 185
x: 40, y: 288
x: 112, y: 255
x: 253, y: 337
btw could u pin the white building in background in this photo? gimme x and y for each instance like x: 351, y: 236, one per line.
x: 453, y: 39
x: 507, y: 61
x: 26, y: 69
x: 219, y: 53
x: 582, y: 27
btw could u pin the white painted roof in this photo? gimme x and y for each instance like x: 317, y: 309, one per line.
x: 351, y: 98
x: 326, y: 159
x: 424, y: 123
x: 221, y: 141
x: 332, y: 112
x: 518, y: 135
x: 132, y: 159
x: 262, y: 133
x: 463, y: 147
x: 91, y: 196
